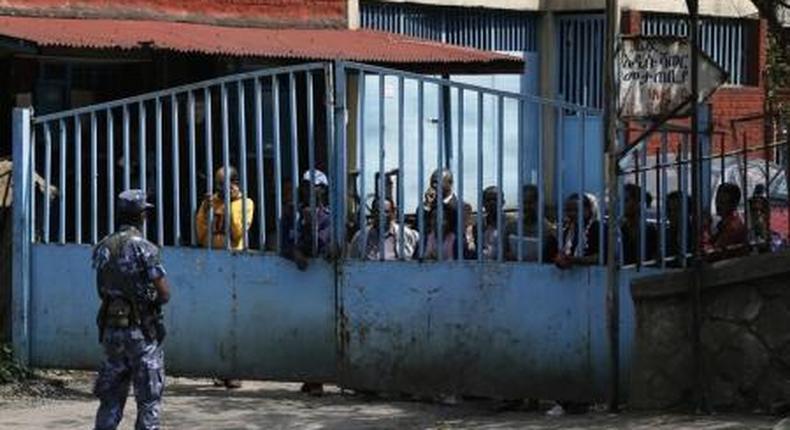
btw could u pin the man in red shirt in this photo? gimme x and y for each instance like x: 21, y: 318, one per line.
x: 731, y: 237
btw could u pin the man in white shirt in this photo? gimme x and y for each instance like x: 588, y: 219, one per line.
x: 371, y: 249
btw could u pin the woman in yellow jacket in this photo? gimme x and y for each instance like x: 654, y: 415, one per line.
x: 216, y: 203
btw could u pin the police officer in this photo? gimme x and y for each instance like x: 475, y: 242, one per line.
x: 132, y: 286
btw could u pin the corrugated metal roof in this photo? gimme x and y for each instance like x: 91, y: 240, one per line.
x: 312, y: 44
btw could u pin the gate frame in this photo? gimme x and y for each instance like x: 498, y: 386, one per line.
x: 21, y: 235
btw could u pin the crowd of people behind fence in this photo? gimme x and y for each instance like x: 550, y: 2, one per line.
x: 578, y: 239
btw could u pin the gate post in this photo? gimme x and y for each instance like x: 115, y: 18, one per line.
x: 340, y: 146
x: 22, y: 186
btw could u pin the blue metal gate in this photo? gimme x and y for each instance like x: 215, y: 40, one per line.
x: 503, y: 324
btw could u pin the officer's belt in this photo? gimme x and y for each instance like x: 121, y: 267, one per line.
x: 120, y: 314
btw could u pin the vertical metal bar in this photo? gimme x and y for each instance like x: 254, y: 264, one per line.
x: 160, y: 219
x: 294, y: 151
x: 193, y: 202
x: 580, y: 223
x: 278, y: 168
x: 259, y: 171
x: 21, y: 269
x: 226, y: 162
x: 723, y: 151
x: 602, y: 214
x: 32, y: 180
x: 110, y: 171
x: 336, y: 143
x: 62, y: 185
x: 362, y: 222
x: 242, y: 138
x: 740, y: 49
x: 311, y: 160
x: 421, y: 164
x: 541, y: 196
x: 578, y: 79
x: 77, y: 182
x: 401, y: 173
x: 127, y: 153
x: 520, y: 180
x: 560, y: 163
x: 745, y: 155
x: 209, y: 165
x: 141, y: 114
x: 440, y: 174
x: 621, y: 210
x: 643, y: 207
x: 767, y: 166
x: 176, y: 165
x: 500, y: 174
x: 480, y: 184
x: 382, y: 155
x: 610, y: 139
x: 94, y: 177
x: 664, y: 202
x: 48, y: 179
x: 460, y: 227
x: 787, y: 183
x: 684, y: 202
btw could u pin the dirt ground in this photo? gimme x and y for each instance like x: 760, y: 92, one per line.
x: 63, y: 401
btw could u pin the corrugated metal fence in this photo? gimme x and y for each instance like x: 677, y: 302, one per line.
x: 727, y: 41
x: 489, y: 29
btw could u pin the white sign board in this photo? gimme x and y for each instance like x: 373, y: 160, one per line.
x: 655, y: 77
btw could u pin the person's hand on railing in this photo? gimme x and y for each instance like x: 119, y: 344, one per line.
x: 563, y: 261
x: 301, y: 260
x: 429, y: 198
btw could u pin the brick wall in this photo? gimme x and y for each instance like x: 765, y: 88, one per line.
x: 292, y: 13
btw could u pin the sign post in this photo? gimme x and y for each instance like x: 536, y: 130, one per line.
x: 610, y: 139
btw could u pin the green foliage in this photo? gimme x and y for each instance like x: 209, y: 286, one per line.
x: 10, y: 369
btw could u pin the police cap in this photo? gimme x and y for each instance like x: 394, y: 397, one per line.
x: 133, y: 202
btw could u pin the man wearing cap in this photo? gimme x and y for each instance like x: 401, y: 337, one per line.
x: 132, y: 287
x: 306, y: 233
x: 215, y: 203
x: 309, y: 226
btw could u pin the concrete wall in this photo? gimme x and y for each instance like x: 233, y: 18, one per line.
x: 736, y: 8
x: 745, y: 341
x: 299, y: 13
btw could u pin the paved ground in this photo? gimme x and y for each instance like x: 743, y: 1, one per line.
x: 65, y: 402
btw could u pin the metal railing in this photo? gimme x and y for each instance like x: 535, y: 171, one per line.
x: 169, y: 142
x: 276, y: 124
x: 421, y: 127
x: 660, y: 170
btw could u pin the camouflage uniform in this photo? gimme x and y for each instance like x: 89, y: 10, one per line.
x: 130, y: 328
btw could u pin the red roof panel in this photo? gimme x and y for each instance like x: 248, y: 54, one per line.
x: 292, y: 43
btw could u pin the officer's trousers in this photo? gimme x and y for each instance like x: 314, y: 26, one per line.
x: 130, y: 359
